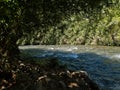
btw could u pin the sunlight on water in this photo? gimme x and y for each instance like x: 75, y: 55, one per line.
x: 116, y: 56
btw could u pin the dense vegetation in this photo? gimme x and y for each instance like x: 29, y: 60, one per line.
x: 51, y: 22
x: 54, y: 22
x: 72, y: 22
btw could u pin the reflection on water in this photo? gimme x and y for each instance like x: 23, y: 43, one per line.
x: 117, y: 56
x: 102, y: 63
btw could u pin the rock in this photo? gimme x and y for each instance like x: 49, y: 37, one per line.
x: 91, y: 84
x: 42, y: 77
x: 39, y: 86
x: 62, y: 84
x: 73, y: 84
x: 33, y: 77
x: 80, y: 74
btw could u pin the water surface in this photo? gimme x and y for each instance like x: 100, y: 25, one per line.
x: 102, y: 63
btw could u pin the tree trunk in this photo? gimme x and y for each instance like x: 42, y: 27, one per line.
x: 8, y: 38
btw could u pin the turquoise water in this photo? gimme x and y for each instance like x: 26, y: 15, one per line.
x: 102, y: 63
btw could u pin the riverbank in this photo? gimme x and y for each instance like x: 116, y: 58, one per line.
x: 101, y: 62
x: 47, y: 75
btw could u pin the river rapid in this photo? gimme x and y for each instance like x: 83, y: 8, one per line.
x: 102, y: 63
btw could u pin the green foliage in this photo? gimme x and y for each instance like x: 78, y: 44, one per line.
x: 51, y: 22
x: 74, y: 22
x: 10, y: 22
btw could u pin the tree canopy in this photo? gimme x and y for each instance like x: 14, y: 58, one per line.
x: 23, y: 17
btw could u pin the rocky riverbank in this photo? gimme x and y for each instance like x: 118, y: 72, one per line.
x: 66, y: 81
x: 30, y: 75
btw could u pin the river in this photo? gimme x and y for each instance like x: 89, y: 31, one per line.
x: 101, y: 62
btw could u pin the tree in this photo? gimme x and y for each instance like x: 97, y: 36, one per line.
x: 24, y: 16
x: 10, y: 28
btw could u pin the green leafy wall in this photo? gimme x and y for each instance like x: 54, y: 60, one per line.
x: 91, y: 28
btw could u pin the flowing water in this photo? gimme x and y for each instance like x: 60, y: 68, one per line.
x: 102, y: 63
